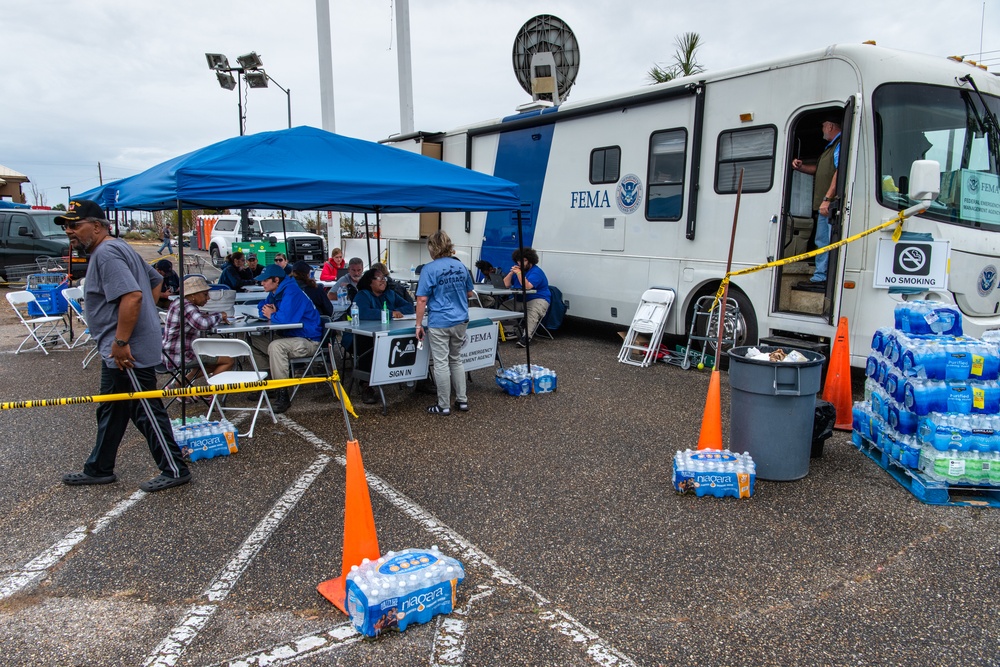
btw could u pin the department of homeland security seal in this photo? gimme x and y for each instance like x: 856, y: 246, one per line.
x: 628, y: 195
x: 987, y: 280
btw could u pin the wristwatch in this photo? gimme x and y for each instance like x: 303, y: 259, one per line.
x: 120, y: 343
x: 827, y: 198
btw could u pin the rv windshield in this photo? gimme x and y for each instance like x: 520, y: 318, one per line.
x: 952, y: 126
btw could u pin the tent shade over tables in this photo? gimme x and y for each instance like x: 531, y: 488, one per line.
x: 305, y: 168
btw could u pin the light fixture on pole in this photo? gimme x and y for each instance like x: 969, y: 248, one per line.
x: 66, y: 188
x: 251, y: 69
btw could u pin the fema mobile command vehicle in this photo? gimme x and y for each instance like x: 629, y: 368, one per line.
x: 638, y: 190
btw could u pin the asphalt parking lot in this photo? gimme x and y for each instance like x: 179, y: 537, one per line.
x: 576, y: 549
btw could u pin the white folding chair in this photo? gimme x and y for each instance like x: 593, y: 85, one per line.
x: 74, y: 297
x: 42, y: 330
x: 229, y: 347
x: 650, y: 319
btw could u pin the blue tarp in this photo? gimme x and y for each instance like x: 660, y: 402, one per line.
x: 12, y: 204
x: 305, y: 168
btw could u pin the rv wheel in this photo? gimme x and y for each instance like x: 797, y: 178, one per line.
x: 742, y: 327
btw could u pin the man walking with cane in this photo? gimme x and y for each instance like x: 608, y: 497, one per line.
x: 120, y: 299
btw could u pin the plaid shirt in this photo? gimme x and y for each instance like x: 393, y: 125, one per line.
x: 196, y: 321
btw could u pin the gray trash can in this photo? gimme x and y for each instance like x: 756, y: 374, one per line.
x: 771, y: 411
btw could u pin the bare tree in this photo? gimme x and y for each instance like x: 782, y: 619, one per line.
x: 685, y: 60
x: 37, y: 195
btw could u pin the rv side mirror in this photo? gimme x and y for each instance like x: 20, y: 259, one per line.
x: 23, y: 231
x: 925, y: 180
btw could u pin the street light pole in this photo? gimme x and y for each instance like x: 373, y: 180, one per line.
x: 287, y: 92
x: 66, y: 188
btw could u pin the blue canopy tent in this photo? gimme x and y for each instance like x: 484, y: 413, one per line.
x: 305, y: 168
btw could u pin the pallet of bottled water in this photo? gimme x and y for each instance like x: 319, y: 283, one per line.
x: 402, y: 587
x: 517, y: 381
x: 932, y: 404
x: 199, y: 438
x: 713, y: 472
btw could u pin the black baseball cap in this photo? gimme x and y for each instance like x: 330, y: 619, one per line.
x: 80, y: 209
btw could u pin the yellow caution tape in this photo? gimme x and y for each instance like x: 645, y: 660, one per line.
x: 898, y: 220
x: 233, y: 388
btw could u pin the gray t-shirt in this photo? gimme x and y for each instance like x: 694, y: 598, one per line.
x: 115, y: 269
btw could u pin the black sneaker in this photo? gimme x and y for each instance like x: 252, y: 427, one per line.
x: 522, y: 341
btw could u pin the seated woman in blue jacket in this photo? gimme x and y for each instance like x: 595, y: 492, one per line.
x: 372, y: 296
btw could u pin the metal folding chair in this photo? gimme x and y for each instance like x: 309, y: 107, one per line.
x: 43, y: 330
x: 324, y: 349
x: 74, y: 297
x: 230, y: 347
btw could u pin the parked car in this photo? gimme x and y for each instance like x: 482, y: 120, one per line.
x: 27, y: 235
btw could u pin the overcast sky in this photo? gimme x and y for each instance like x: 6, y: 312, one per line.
x: 125, y: 83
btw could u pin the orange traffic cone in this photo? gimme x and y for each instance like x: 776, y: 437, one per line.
x: 838, y: 378
x: 360, y: 540
x: 711, y: 420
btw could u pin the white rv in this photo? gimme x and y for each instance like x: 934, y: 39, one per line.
x: 639, y: 190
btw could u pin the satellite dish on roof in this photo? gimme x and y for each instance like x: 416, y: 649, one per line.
x: 546, y: 58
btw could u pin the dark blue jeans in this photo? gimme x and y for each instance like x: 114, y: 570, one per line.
x: 113, y: 418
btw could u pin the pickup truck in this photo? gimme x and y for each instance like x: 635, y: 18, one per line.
x: 299, y: 243
x: 26, y: 235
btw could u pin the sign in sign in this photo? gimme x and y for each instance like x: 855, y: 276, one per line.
x: 921, y: 264
x: 397, y: 358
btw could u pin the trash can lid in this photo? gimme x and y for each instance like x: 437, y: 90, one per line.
x: 739, y: 354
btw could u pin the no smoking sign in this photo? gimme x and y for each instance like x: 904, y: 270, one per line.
x: 921, y: 264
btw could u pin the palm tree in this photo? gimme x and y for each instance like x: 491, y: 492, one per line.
x: 685, y: 62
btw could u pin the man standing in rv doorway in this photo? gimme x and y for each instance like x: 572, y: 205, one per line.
x: 824, y: 174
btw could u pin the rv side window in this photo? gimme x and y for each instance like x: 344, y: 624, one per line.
x: 667, y: 157
x: 751, y: 150
x: 605, y: 164
x: 225, y: 225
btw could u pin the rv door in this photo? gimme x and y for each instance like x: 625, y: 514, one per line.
x: 847, y: 176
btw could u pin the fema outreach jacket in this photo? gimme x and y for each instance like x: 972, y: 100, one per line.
x: 293, y: 306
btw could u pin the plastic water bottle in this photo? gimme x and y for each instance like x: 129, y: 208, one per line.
x: 355, y: 313
x: 342, y: 296
x: 385, y: 313
x: 413, y: 272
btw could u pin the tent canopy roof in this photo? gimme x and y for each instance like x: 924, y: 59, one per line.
x: 305, y: 168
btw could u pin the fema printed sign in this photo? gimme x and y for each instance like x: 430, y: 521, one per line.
x: 920, y: 264
x: 628, y: 195
x: 480, y: 348
x: 979, y: 196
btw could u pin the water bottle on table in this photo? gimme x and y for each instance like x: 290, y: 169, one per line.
x: 355, y: 313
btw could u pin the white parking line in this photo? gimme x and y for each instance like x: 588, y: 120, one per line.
x: 448, y: 649
x: 174, y: 644
x: 37, y: 568
x: 306, y: 646
x: 596, y: 648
